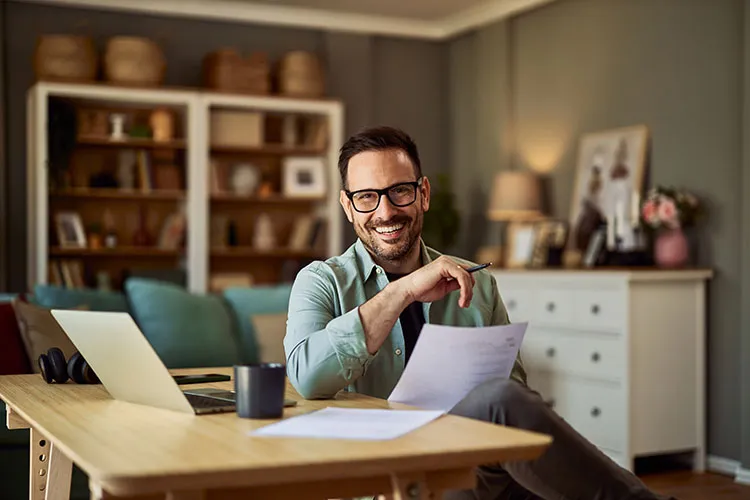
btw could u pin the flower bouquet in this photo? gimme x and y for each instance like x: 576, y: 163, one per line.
x: 670, y: 208
x: 668, y: 211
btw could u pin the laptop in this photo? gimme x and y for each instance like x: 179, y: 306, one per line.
x: 129, y: 368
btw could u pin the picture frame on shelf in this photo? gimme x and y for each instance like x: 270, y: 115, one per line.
x: 549, y: 243
x: 609, y: 178
x: 521, y: 244
x: 304, y: 177
x: 70, y: 232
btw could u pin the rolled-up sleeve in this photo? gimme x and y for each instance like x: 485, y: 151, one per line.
x: 325, y: 352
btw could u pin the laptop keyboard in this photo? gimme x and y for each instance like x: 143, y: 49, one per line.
x: 197, y: 401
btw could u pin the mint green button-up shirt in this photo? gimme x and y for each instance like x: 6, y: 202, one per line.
x: 325, y: 341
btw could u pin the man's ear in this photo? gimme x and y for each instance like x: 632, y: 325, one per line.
x: 346, y: 204
x: 425, y: 190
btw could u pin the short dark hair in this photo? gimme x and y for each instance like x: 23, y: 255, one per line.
x: 378, y: 139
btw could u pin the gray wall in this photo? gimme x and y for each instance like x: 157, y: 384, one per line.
x: 584, y: 65
x: 380, y: 80
x: 745, y: 296
x: 3, y: 198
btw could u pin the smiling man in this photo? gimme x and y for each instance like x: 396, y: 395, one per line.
x: 354, y: 320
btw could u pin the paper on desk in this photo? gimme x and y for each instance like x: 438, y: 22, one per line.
x: 350, y: 423
x: 448, y: 362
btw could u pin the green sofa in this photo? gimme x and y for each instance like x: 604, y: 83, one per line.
x: 186, y: 330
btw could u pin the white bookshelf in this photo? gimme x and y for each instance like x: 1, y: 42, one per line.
x: 195, y: 107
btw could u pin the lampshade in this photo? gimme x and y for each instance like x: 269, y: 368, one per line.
x: 516, y: 195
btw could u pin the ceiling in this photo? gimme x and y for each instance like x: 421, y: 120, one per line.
x: 429, y: 19
x: 413, y: 9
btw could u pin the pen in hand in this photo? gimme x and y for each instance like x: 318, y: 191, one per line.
x: 477, y: 268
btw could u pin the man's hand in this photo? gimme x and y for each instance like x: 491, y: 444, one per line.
x: 437, y: 279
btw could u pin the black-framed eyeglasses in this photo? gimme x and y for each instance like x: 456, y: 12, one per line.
x: 402, y: 194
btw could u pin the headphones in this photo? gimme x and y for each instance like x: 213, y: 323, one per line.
x: 54, y: 368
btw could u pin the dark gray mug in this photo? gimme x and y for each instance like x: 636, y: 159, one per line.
x: 260, y: 390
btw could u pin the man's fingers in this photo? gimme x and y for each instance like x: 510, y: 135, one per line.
x: 465, y: 281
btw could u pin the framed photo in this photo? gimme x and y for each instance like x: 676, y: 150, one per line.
x: 521, y: 243
x: 304, y: 177
x: 70, y: 231
x: 609, y: 176
x: 549, y: 243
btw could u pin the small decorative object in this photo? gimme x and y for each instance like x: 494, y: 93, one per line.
x: 173, y: 231
x: 668, y: 211
x: 133, y: 61
x: 162, y: 126
x: 65, y: 58
x: 95, y: 236
x: 142, y: 237
x: 233, y: 128
x: 264, y: 237
x: 110, y: 232
x: 70, y: 231
x: 92, y: 123
x: 265, y: 190
x: 105, y: 178
x: 550, y: 243
x: 304, y: 177
x: 226, y: 69
x: 521, y: 241
x: 301, y: 75
x: 245, y: 179
x: 290, y: 131
x: 117, y: 132
x: 126, y: 169
x: 596, y: 250
x: 609, y: 176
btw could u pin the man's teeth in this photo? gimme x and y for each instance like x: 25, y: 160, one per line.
x: 388, y: 229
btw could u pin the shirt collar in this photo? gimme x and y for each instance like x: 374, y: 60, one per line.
x: 368, y: 266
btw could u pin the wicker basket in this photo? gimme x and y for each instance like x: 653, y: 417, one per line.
x: 301, y: 75
x: 134, y: 61
x: 226, y: 69
x: 65, y: 58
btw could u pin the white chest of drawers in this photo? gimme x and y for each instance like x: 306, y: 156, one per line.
x: 620, y: 355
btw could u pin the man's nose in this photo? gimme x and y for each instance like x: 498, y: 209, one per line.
x: 385, y: 210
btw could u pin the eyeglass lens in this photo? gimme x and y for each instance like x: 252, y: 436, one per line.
x: 400, y: 196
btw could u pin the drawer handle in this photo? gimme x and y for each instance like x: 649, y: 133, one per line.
x: 595, y: 357
x: 595, y: 309
x: 550, y: 306
x: 511, y: 304
x: 551, y: 352
x: 595, y: 412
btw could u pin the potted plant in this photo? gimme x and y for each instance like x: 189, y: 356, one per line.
x: 668, y: 212
x: 442, y: 220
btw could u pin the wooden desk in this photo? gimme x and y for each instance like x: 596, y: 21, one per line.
x: 131, y: 450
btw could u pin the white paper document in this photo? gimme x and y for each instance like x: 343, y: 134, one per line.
x: 350, y: 423
x: 448, y: 362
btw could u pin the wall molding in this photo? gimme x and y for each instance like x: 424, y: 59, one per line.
x: 728, y: 467
x: 302, y: 17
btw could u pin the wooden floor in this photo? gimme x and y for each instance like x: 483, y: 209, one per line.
x: 685, y: 485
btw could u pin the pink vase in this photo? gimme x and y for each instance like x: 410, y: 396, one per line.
x: 671, y: 248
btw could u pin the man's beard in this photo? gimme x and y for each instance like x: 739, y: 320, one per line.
x: 395, y: 251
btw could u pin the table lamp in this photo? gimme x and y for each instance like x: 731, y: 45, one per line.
x: 515, y: 197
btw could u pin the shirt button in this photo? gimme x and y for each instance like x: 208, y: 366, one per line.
x: 398, y: 352
x: 378, y: 270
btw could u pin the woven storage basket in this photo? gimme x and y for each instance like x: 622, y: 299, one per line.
x: 226, y: 69
x: 134, y: 61
x: 66, y: 58
x: 301, y: 74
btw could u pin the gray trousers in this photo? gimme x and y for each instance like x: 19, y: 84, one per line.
x: 570, y: 469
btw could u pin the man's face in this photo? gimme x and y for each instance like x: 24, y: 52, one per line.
x: 390, y: 231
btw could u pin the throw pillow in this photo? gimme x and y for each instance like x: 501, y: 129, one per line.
x: 246, y: 302
x: 57, y: 297
x: 269, y: 335
x: 186, y: 330
x: 13, y: 358
x: 40, y: 332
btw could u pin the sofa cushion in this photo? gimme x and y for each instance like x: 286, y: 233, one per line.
x: 13, y: 358
x: 269, y: 336
x: 245, y: 302
x: 57, y: 297
x: 186, y: 330
x: 40, y: 332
